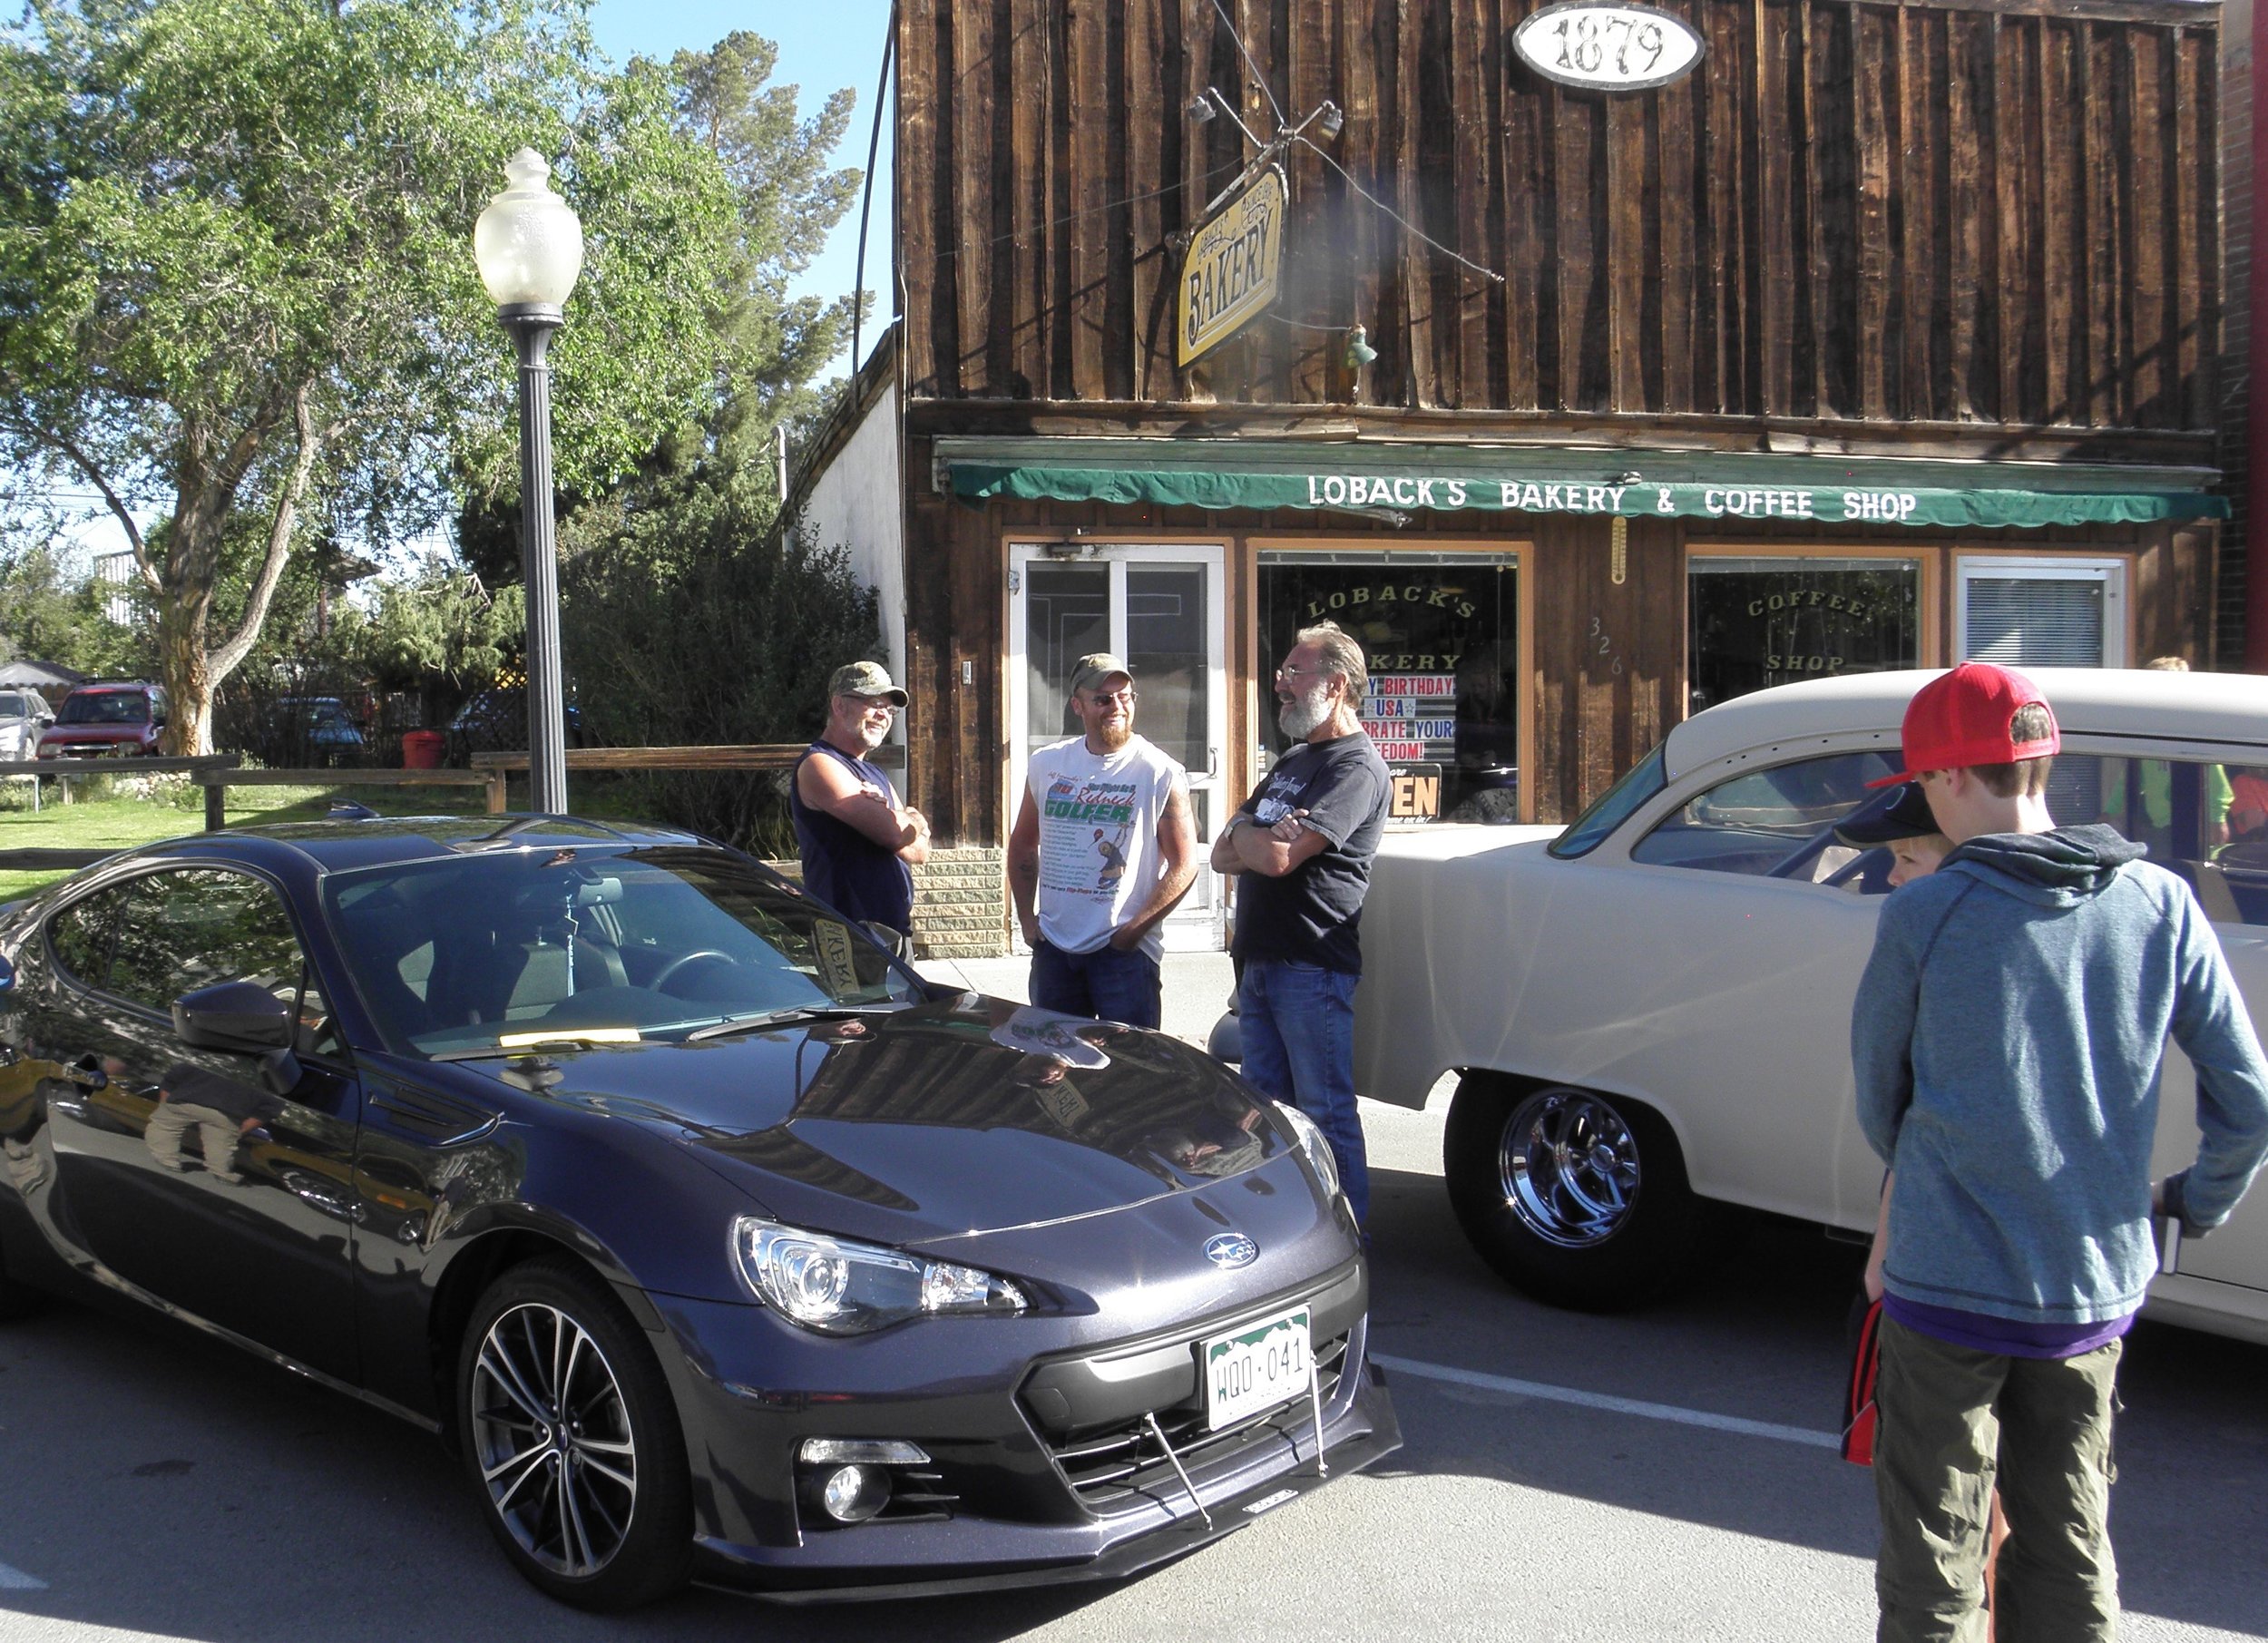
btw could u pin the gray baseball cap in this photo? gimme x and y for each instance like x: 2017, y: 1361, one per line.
x: 865, y: 679
x: 1097, y: 668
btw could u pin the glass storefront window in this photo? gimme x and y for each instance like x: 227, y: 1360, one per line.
x: 1441, y: 632
x: 1753, y: 622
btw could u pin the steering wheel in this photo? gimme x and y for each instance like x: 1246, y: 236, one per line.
x: 660, y: 982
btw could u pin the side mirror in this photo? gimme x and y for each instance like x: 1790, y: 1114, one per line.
x: 234, y: 1015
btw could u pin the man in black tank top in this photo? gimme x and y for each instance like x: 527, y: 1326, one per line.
x: 859, y: 845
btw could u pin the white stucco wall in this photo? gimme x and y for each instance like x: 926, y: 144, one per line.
x: 855, y: 501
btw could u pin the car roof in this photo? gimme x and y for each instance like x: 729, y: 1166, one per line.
x: 334, y: 846
x: 2098, y: 701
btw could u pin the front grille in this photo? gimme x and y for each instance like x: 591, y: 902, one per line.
x: 1111, y: 1468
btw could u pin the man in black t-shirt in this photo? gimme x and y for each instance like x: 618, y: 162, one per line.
x: 1302, y: 847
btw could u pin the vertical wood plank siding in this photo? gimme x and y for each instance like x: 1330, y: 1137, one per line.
x: 2005, y: 213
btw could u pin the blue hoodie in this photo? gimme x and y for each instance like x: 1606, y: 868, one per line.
x: 2007, y: 1040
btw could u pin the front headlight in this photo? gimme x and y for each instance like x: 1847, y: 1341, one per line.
x: 1311, y: 1142
x: 835, y: 1286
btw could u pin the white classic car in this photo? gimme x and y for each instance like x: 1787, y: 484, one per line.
x: 1649, y: 1011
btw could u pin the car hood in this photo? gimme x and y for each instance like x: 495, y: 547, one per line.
x: 936, y: 1120
x: 60, y: 731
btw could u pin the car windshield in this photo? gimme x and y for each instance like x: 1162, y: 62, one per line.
x: 106, y: 708
x: 14, y: 705
x: 507, y: 950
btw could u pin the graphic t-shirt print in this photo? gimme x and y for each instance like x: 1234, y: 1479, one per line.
x: 1087, y: 824
x: 1279, y: 797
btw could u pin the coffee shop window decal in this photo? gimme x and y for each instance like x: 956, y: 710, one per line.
x: 1442, y: 634
x: 1754, y: 620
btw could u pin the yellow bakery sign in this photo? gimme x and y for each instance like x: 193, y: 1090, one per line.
x: 1229, y: 275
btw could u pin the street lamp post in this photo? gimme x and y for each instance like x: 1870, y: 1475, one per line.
x: 529, y: 247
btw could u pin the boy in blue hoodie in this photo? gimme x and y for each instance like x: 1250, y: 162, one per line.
x: 2007, y: 1040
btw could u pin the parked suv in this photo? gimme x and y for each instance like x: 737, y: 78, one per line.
x: 115, y: 718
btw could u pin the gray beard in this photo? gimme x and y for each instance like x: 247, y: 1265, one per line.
x: 1302, y: 717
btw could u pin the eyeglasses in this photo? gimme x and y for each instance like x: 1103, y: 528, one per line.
x: 876, y: 704
x: 1304, y: 673
x: 1124, y: 693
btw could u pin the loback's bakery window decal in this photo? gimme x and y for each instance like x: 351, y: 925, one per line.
x: 1755, y: 623
x: 1439, y: 632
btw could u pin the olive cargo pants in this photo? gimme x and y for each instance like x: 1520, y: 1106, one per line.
x: 1950, y: 1419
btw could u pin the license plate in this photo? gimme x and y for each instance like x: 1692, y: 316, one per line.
x: 1256, y: 1368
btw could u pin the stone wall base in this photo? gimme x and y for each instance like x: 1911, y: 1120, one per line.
x: 960, y: 898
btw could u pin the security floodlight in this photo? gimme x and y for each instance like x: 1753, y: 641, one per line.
x: 1200, y: 110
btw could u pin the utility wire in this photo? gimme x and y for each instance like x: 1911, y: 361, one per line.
x: 1246, y: 52
x: 1092, y: 210
x: 1397, y: 216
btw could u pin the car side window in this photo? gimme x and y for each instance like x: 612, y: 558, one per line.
x: 2206, y: 823
x: 1777, y: 822
x: 192, y: 927
x: 82, y: 935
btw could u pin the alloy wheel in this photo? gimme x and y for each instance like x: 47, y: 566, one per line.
x: 551, y: 1434
x: 1568, y: 1167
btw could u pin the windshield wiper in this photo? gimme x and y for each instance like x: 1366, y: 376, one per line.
x: 780, y: 1018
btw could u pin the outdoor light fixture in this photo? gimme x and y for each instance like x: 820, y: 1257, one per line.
x: 1359, y: 353
x: 529, y: 247
x: 1330, y: 119
x: 1200, y: 110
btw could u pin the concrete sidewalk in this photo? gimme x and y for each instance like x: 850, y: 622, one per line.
x: 1197, y: 986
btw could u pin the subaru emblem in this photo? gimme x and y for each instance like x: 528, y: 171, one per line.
x: 1231, y: 1249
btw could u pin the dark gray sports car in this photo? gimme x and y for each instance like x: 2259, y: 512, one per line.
x: 718, y: 1244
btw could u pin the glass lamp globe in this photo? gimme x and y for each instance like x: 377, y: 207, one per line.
x: 528, y: 243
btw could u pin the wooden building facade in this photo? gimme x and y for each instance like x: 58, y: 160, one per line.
x: 1886, y: 335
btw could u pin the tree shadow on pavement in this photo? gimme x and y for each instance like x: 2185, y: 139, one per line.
x: 163, y: 1482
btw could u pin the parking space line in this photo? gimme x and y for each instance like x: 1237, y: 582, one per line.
x: 1599, y: 1400
x: 15, y: 1579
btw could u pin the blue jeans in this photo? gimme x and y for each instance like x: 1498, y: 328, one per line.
x: 1107, y: 985
x: 1298, y: 1026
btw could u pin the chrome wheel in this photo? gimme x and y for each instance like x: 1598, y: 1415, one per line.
x: 551, y: 1433
x: 1568, y: 1167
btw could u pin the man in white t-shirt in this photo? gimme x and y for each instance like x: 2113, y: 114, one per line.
x: 1102, y: 850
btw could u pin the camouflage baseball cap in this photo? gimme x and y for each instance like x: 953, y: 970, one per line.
x: 1097, y: 668
x: 865, y: 679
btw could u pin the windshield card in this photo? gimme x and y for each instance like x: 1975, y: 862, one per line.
x: 1256, y: 1368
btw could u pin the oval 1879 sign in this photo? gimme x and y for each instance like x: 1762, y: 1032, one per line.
x: 1607, y: 45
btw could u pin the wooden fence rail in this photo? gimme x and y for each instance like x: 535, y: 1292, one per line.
x: 216, y: 782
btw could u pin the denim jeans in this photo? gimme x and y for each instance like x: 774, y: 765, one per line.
x: 1107, y: 985
x: 1297, y: 1022
x: 1952, y: 1422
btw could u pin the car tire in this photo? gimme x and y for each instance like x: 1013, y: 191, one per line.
x: 599, y: 1515
x: 1577, y: 1198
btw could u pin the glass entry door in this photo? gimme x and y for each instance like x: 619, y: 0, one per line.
x: 1162, y: 610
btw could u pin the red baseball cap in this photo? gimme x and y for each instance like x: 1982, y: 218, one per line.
x: 1962, y: 718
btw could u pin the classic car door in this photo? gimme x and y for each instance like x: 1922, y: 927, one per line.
x: 183, y: 1172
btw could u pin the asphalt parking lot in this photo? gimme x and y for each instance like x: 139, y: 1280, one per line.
x: 1665, y: 1476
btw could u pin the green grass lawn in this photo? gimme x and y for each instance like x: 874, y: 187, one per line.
x: 119, y: 824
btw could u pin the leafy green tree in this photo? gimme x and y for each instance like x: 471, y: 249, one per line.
x: 235, y: 282
x: 789, y: 200
x: 739, y: 650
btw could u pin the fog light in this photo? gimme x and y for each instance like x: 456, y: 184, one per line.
x: 852, y: 1494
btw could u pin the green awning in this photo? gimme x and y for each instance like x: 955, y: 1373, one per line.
x: 1220, y: 474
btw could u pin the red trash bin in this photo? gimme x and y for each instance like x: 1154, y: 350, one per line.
x: 421, y: 749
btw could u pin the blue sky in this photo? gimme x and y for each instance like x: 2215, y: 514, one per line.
x: 822, y: 47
